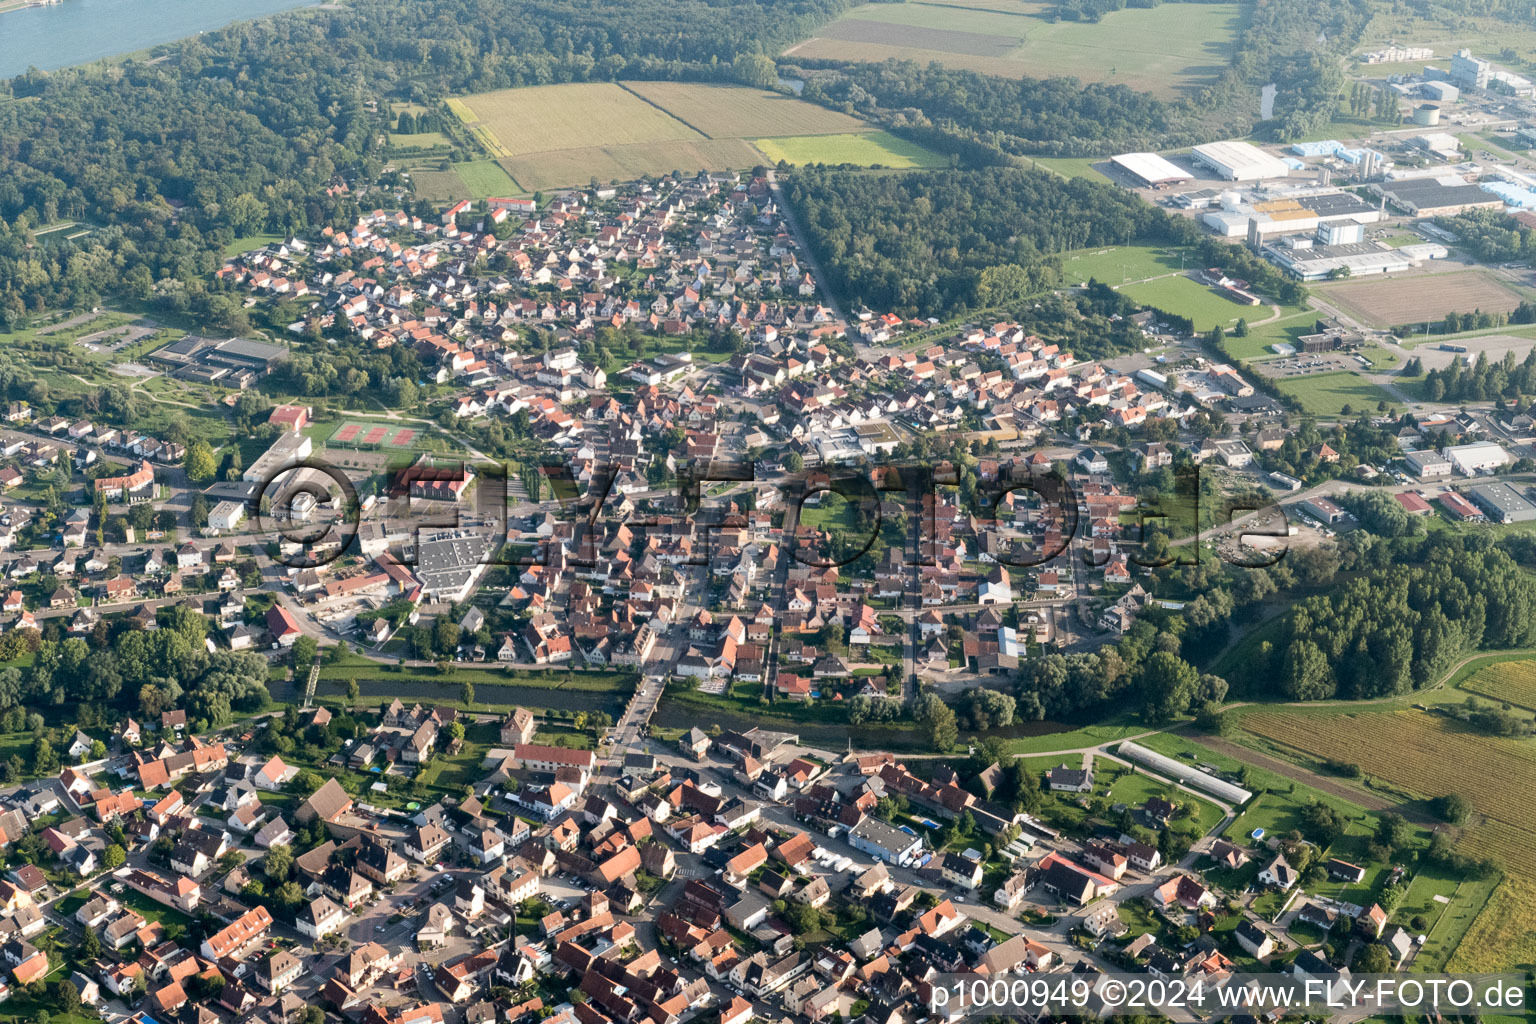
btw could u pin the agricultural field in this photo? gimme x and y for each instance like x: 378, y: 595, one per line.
x: 552, y: 135
x: 1503, y: 934
x: 736, y: 112
x: 555, y: 117
x: 1423, y: 756
x: 1513, y: 682
x: 864, y: 149
x: 552, y: 169
x: 1184, y: 296
x: 1416, y: 297
x: 1326, y: 394
x: 1168, y: 51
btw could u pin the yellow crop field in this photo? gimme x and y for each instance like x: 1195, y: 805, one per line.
x: 536, y: 171
x: 1512, y: 681
x: 736, y: 112
x: 543, y: 118
x: 1504, y: 933
x: 1428, y: 756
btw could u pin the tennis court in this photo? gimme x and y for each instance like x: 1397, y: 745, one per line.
x: 353, y: 434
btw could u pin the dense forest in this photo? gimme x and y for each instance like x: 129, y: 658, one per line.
x: 1493, y: 236
x: 239, y: 131
x: 937, y: 243
x: 1012, y: 115
x: 1396, y: 628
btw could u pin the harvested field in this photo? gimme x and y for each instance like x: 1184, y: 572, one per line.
x: 1427, y: 756
x: 1416, y: 297
x: 1168, y: 51
x: 735, y: 112
x: 555, y: 135
x: 535, y: 171
x: 543, y: 118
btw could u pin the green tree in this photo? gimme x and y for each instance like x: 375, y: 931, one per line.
x: 200, y: 464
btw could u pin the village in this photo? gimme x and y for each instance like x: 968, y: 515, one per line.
x: 730, y: 876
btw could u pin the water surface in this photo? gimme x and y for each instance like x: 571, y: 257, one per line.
x: 80, y: 31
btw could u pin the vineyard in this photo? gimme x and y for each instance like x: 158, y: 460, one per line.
x: 1511, y: 681
x: 1426, y: 756
x: 1504, y: 933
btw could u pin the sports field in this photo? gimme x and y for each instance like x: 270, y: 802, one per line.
x: 1120, y: 264
x: 1184, y: 296
x: 552, y: 135
x: 1386, y: 302
x: 1424, y: 756
x: 1326, y: 394
x: 358, y: 434
x: 865, y: 149
x: 1169, y: 50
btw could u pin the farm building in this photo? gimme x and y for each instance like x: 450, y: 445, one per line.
x: 1184, y: 773
x: 1239, y: 161
x: 1149, y: 169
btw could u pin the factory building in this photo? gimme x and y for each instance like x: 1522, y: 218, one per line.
x: 1431, y: 197
x: 1239, y: 161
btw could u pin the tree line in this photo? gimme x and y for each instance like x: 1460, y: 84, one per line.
x: 1396, y: 628
x: 940, y: 242
x: 1484, y: 380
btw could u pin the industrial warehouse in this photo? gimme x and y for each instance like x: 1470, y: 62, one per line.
x: 1149, y: 169
x: 1239, y: 161
x: 1436, y: 197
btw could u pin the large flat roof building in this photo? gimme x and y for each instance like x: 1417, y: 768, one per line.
x: 1502, y: 503
x: 1309, y: 262
x: 1430, y: 197
x: 1149, y: 169
x: 1477, y: 457
x: 1239, y: 161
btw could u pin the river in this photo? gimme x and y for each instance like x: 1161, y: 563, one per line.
x: 80, y: 31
